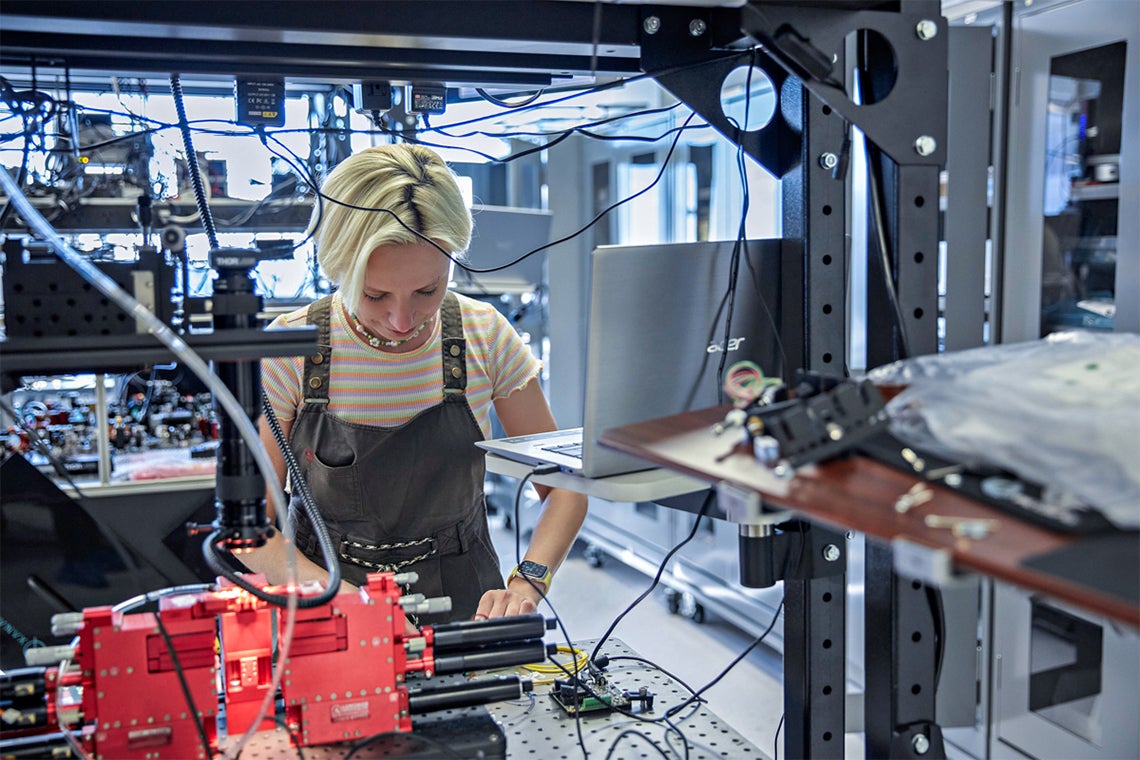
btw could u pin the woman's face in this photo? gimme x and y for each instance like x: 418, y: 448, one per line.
x: 404, y: 285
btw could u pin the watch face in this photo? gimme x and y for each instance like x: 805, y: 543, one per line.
x: 532, y: 569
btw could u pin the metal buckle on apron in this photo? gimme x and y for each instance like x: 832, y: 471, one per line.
x: 392, y: 566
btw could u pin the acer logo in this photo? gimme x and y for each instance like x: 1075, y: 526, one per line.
x: 733, y: 344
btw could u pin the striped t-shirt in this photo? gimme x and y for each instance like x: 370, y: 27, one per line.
x: 369, y: 386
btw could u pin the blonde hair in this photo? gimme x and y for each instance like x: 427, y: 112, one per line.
x: 412, y: 182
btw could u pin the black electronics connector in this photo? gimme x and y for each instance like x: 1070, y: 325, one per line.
x: 427, y: 98
x: 260, y: 102
x: 372, y: 96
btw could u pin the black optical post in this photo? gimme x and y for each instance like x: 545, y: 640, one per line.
x: 242, y: 522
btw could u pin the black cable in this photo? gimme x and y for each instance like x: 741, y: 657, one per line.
x: 784, y: 369
x: 876, y: 180
x: 733, y: 276
x: 332, y: 565
x: 606, y: 86
x: 293, y: 738
x: 301, y: 485
x: 684, y: 739
x: 776, y: 739
x: 655, y: 666
x: 574, y: 677
x: 307, y: 176
x: 656, y: 578
x: 192, y: 162
x: 320, y: 197
x: 696, y: 386
x: 464, y: 265
x: 552, y: 143
x: 938, y: 615
x: 741, y: 245
x: 185, y: 686
x: 633, y: 732
x: 504, y: 104
x: 789, y: 568
x: 542, y: 470
x: 614, y: 84
x: 734, y: 262
x: 755, y: 643
x: 583, y: 128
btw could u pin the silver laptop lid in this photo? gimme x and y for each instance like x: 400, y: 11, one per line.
x: 655, y: 335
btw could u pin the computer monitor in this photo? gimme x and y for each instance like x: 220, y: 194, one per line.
x: 501, y: 234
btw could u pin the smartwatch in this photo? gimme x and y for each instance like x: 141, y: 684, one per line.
x: 533, y: 570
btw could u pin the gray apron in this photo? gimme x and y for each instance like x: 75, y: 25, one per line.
x: 406, y: 498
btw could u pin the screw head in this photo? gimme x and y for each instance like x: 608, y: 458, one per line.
x: 920, y: 744
x: 651, y: 25
x: 925, y: 145
x: 828, y: 160
x: 697, y: 27
x: 831, y: 553
x: 926, y: 29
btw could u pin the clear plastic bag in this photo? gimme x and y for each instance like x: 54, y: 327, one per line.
x: 1063, y: 412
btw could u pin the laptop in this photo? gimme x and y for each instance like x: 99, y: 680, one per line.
x: 655, y: 337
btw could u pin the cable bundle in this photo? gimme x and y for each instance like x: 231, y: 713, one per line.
x: 745, y: 382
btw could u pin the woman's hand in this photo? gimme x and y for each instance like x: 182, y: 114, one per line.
x: 501, y: 602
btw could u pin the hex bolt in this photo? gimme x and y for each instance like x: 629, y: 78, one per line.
x: 926, y: 29
x: 925, y: 145
x: 697, y: 27
x: 828, y: 160
x: 651, y: 25
x: 920, y: 744
x: 831, y: 553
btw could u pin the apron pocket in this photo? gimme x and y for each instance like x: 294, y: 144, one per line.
x: 336, y: 491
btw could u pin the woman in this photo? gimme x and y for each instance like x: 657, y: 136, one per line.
x: 384, y: 418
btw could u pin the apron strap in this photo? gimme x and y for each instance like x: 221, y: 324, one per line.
x: 315, y: 384
x: 454, y: 346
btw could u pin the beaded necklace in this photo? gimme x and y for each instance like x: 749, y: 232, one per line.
x: 378, y: 342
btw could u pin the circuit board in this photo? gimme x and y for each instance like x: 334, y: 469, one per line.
x: 588, y: 695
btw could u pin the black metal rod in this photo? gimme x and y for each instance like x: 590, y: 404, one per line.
x: 465, y: 695
x: 38, y: 746
x: 493, y: 657
x: 468, y: 633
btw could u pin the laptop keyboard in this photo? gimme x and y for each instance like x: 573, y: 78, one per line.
x: 566, y: 449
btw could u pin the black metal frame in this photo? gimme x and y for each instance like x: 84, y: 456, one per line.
x: 689, y: 50
x: 900, y: 661
x: 812, y: 563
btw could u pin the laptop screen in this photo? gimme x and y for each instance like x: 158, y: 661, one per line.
x: 656, y: 330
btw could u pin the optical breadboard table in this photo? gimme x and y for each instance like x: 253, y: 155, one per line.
x: 537, y: 727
